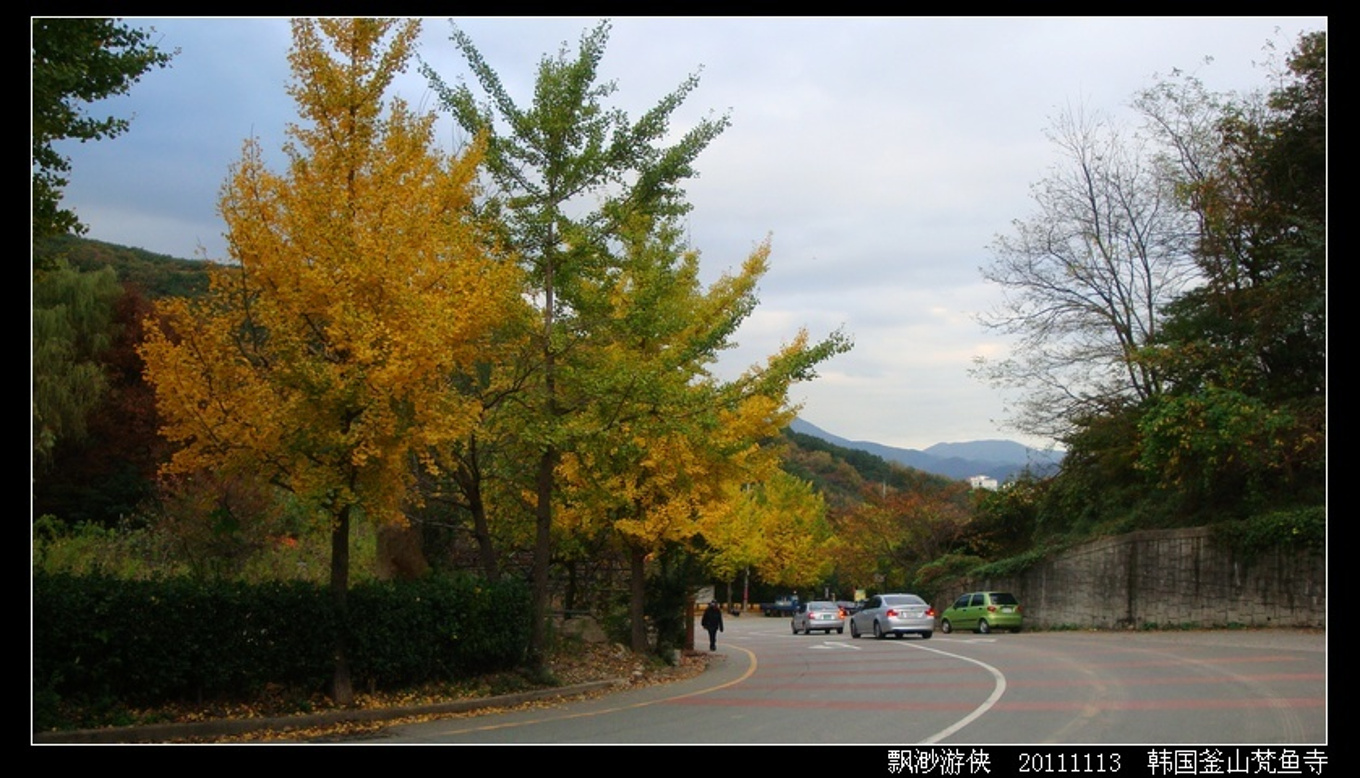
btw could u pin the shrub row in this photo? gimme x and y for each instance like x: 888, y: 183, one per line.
x: 145, y: 642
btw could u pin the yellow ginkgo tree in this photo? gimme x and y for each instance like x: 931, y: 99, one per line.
x: 664, y: 445
x: 776, y: 528
x: 358, y: 288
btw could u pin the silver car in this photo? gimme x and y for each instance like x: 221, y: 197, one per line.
x: 817, y: 614
x: 893, y: 614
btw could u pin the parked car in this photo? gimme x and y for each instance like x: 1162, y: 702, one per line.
x: 983, y: 612
x: 893, y: 614
x: 818, y: 614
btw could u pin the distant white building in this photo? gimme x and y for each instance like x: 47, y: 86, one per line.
x: 983, y: 482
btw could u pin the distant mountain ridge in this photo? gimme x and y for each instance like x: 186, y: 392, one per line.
x: 999, y: 459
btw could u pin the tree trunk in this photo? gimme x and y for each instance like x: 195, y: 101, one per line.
x: 637, y: 592
x: 538, y: 608
x: 481, y: 530
x: 342, y: 689
x: 547, y: 467
x: 689, y: 622
x: 469, y: 477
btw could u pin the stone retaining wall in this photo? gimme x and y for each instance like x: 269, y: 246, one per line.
x: 1169, y: 578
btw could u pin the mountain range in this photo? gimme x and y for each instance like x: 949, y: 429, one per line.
x: 1000, y: 459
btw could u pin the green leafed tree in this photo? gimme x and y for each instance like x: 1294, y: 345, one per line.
x: 72, y: 326
x: 633, y: 434
x: 571, y: 172
x: 1245, y: 417
x: 75, y: 63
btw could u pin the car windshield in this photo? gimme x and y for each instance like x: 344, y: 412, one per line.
x: 1004, y: 598
x: 903, y: 599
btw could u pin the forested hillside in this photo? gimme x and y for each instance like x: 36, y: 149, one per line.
x: 844, y: 474
x: 152, y: 275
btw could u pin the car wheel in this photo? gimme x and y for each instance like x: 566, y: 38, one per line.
x: 926, y: 635
x: 794, y: 624
x: 841, y: 631
x: 878, y: 631
x: 946, y: 627
x: 854, y: 631
x: 984, y: 627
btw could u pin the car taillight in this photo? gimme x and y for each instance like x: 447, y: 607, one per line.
x: 841, y: 613
x: 991, y: 609
x: 930, y: 612
x: 892, y: 614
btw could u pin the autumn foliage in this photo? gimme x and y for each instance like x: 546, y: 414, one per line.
x: 358, y: 287
x: 381, y: 334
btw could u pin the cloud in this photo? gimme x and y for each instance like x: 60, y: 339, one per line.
x: 882, y: 155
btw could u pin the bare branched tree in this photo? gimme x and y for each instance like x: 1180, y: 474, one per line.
x: 1084, y: 277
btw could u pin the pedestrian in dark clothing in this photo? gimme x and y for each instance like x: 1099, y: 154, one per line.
x: 713, y: 623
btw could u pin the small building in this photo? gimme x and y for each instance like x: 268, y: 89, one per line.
x: 982, y: 482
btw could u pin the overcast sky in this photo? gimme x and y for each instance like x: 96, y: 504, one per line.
x: 881, y: 155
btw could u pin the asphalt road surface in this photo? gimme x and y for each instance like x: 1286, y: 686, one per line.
x: 1249, y: 687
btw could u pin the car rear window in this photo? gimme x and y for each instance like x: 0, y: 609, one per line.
x: 822, y: 606
x: 1004, y: 598
x: 903, y: 599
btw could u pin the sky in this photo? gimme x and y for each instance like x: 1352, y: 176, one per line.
x: 880, y: 155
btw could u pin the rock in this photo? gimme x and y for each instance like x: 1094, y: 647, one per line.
x: 584, y: 628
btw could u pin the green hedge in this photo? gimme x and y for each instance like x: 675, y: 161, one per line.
x: 435, y: 629
x: 143, y: 642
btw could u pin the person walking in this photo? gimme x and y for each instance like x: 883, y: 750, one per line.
x: 713, y: 622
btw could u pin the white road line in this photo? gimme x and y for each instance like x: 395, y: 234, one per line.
x: 986, y: 705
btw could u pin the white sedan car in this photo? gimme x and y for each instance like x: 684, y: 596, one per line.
x: 893, y: 614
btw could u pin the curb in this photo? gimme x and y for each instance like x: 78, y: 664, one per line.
x: 160, y: 733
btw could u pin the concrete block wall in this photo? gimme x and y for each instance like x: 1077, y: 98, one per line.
x: 1170, y: 578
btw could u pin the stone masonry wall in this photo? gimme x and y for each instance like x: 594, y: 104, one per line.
x: 1170, y: 578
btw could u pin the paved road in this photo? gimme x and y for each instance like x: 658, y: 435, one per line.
x: 1229, y: 687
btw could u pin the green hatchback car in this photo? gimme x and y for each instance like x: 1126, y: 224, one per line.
x: 983, y: 612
